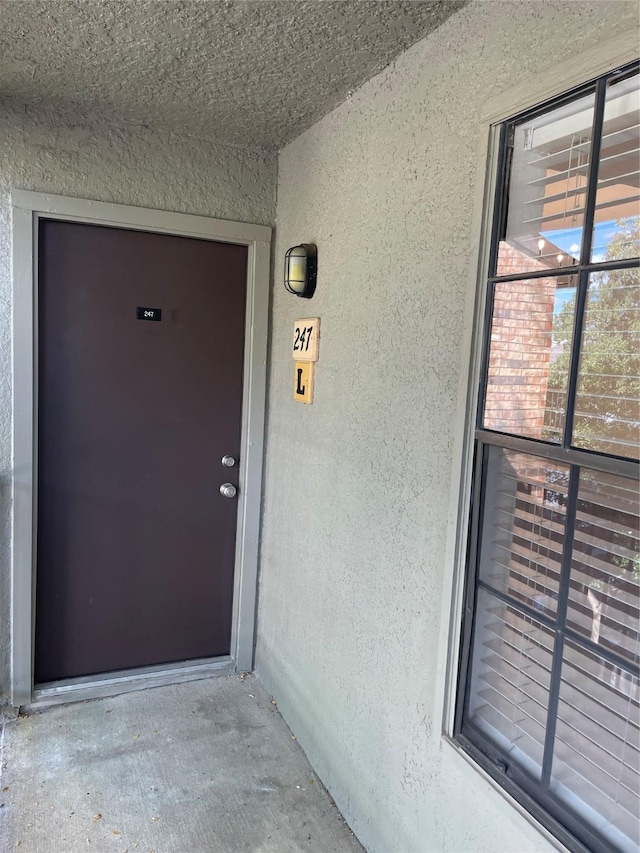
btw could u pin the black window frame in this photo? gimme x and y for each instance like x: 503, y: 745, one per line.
x: 532, y: 794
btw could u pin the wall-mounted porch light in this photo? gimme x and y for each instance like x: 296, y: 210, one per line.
x: 300, y: 269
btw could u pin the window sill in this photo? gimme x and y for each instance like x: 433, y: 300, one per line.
x: 505, y: 802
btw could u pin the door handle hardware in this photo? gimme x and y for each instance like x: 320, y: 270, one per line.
x: 228, y: 461
x: 228, y: 490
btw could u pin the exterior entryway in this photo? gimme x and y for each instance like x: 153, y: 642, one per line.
x: 205, y: 767
x: 140, y: 379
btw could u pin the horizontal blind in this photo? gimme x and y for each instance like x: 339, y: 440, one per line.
x: 510, y: 680
x: 607, y: 404
x: 597, y: 745
x: 524, y: 527
x: 596, y: 750
x: 617, y: 199
x: 604, y: 599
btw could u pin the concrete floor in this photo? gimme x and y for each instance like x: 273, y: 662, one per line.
x: 203, y: 767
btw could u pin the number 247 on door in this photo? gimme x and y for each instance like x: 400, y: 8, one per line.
x: 306, y: 336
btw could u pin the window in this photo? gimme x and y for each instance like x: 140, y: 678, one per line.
x: 549, y: 689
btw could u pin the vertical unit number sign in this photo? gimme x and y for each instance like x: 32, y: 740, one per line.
x: 306, y: 337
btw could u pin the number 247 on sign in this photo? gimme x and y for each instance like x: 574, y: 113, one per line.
x: 306, y: 337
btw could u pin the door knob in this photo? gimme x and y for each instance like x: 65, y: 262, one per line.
x: 228, y: 490
x: 228, y: 461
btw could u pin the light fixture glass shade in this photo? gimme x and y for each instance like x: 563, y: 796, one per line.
x: 300, y: 270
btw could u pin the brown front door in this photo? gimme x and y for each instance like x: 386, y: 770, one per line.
x: 140, y: 351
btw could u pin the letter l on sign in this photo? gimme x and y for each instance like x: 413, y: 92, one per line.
x: 303, y: 382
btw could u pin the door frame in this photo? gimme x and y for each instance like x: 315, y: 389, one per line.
x: 28, y: 209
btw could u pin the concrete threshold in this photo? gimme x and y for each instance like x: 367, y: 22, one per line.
x: 202, y: 767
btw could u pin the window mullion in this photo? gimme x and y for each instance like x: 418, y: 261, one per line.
x: 600, y: 266
x: 563, y: 455
x: 561, y: 616
x: 594, y: 162
x: 585, y: 257
x: 611, y: 657
x: 576, y: 344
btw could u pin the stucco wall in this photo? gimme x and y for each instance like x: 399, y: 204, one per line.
x: 41, y: 151
x: 352, y: 626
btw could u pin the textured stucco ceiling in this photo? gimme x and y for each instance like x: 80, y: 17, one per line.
x: 253, y: 73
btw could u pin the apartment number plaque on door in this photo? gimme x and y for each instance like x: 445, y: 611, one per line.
x: 149, y: 314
